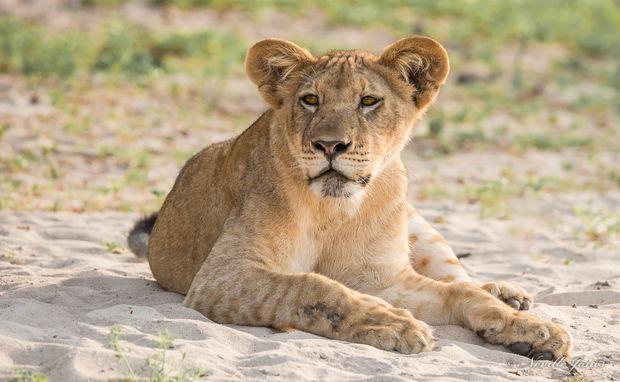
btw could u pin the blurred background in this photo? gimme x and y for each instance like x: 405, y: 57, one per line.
x: 102, y: 101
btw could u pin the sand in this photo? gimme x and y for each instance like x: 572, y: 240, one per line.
x: 62, y: 290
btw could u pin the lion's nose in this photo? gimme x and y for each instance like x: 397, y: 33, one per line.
x: 331, y: 148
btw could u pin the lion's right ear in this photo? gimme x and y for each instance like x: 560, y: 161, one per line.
x: 269, y: 62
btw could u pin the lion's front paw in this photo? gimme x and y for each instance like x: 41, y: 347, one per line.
x: 394, y: 329
x: 511, y: 294
x: 526, y: 335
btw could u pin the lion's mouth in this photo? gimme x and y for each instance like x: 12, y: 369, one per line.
x: 329, y: 172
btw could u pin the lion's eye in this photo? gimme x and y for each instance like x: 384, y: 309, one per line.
x: 369, y: 101
x: 310, y: 99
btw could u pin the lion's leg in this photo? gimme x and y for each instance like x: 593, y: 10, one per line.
x: 431, y: 256
x: 464, y: 303
x: 250, y: 295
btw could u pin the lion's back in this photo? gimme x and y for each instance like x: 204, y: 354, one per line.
x: 196, y: 207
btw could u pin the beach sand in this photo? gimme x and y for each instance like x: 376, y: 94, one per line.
x: 62, y: 290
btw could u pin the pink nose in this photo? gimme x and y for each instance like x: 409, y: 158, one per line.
x: 331, y: 148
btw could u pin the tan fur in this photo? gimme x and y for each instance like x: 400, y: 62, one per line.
x: 255, y: 235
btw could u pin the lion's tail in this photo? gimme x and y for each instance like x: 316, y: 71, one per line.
x: 138, y: 238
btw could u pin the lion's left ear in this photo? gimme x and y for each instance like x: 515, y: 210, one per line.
x: 422, y: 62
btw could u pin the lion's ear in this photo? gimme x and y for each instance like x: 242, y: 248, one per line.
x: 269, y: 62
x: 422, y: 62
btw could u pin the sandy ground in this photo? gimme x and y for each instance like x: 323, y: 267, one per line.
x: 61, y: 291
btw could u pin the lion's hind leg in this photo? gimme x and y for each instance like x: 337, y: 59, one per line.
x: 431, y: 255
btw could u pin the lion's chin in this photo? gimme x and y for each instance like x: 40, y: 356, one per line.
x: 333, y: 184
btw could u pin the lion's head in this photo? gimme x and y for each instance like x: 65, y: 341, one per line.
x: 346, y: 115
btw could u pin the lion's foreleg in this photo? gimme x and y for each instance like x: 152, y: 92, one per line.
x: 464, y: 303
x: 238, y: 292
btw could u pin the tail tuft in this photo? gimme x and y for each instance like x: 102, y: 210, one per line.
x: 138, y: 239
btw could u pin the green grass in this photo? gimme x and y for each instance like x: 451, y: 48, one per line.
x: 484, y: 26
x: 117, y: 47
x: 116, y: 84
x: 24, y: 375
x: 505, y: 196
x: 158, y: 367
x: 13, y: 258
x: 576, y: 378
x: 113, y: 247
x: 598, y: 227
x: 590, y: 26
x: 493, y: 197
x: 30, y: 51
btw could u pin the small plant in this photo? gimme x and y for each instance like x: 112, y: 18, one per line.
x: 157, y: 368
x: 598, y: 226
x: 3, y: 129
x: 114, y: 247
x: 24, y: 375
x: 492, y: 196
x: 13, y: 259
x: 9, y: 256
x: 115, y: 333
x: 576, y: 378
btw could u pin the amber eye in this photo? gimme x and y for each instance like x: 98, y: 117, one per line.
x: 369, y: 101
x: 310, y: 99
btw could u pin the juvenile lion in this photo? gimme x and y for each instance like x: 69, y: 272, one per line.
x: 302, y: 221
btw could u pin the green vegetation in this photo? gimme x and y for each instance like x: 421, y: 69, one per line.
x: 576, y: 378
x: 114, y: 247
x: 492, y: 198
x: 157, y: 366
x: 28, y: 50
x: 590, y: 26
x: 597, y: 227
x: 125, y: 101
x: 116, y: 46
x: 119, y: 46
x: 24, y: 375
x: 13, y: 258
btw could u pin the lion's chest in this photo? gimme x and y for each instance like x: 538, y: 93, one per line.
x: 304, y: 253
x: 310, y: 245
x: 318, y: 244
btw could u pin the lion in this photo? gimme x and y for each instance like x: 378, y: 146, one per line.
x: 302, y: 221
